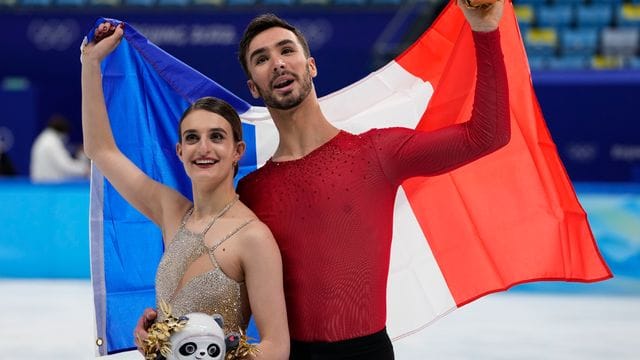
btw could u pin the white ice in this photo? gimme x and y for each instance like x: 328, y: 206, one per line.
x: 49, y: 319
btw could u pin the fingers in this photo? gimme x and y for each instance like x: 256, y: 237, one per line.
x: 149, y: 316
x: 139, y: 336
x: 137, y: 339
x: 144, y: 322
x: 105, y: 30
x: 106, y: 38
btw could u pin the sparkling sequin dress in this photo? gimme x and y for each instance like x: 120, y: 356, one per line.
x: 212, y: 292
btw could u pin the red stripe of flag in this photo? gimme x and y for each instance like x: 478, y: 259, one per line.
x: 513, y: 216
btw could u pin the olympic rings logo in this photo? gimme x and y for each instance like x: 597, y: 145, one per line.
x: 582, y: 151
x: 317, y: 31
x: 53, y: 34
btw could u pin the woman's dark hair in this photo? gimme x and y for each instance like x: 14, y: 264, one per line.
x: 260, y: 24
x: 216, y: 106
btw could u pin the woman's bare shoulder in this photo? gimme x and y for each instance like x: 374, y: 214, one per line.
x: 258, y: 231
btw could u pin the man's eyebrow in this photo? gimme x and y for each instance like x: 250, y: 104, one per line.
x: 284, y: 42
x: 257, y: 52
x: 261, y: 50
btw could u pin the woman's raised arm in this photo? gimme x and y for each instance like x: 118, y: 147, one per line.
x: 155, y: 200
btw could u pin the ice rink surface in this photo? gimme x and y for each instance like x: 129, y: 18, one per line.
x: 50, y: 319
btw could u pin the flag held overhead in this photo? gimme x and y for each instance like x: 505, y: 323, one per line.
x: 508, y: 218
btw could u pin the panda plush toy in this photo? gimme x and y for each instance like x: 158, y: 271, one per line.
x: 201, y: 338
x: 195, y: 336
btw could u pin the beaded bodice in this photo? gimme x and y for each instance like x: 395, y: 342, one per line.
x: 211, y: 292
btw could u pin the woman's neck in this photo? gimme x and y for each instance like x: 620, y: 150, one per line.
x: 208, y: 202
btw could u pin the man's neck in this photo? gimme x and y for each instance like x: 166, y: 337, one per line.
x: 302, y: 130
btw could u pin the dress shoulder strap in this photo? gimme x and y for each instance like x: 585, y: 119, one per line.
x: 186, y: 217
x: 230, y: 234
x: 213, y: 248
x: 219, y: 215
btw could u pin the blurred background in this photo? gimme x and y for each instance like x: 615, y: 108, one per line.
x: 585, y: 62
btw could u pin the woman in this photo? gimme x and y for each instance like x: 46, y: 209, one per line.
x: 219, y: 258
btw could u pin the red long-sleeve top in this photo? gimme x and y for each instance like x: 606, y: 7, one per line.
x: 331, y: 211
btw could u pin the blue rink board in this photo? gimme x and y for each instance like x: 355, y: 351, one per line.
x: 44, y: 233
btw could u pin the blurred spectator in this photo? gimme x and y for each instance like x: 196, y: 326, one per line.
x: 50, y: 159
x: 6, y: 166
x: 6, y: 142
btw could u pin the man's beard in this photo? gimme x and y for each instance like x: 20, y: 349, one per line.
x: 288, y: 102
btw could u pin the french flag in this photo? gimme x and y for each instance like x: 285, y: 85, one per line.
x: 508, y: 218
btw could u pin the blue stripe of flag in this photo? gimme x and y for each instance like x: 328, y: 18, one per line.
x: 146, y: 91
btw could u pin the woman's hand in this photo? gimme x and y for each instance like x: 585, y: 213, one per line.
x: 106, y: 38
x: 140, y: 333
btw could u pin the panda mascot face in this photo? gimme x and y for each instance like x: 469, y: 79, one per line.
x: 201, y: 347
x: 202, y: 338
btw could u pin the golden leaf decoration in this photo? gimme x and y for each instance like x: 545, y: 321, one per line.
x: 243, y: 350
x: 160, y: 333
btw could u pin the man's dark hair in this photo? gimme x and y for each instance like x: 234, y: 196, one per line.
x: 260, y: 24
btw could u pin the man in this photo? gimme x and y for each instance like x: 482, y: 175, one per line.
x: 50, y: 160
x: 328, y: 195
